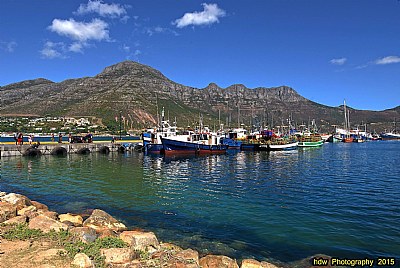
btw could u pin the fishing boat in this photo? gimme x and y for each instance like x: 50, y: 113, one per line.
x: 234, y: 138
x: 152, y: 137
x: 348, y: 138
x: 279, y: 145
x: 193, y: 143
x: 392, y: 135
x: 334, y: 138
x: 313, y: 140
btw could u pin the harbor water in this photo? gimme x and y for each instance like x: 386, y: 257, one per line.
x: 342, y: 200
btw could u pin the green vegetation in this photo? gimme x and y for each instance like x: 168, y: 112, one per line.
x: 64, y: 239
x: 22, y: 232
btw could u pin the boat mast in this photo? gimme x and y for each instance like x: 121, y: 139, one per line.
x: 345, y: 118
x: 158, y: 116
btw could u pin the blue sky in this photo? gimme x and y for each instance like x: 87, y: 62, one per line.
x: 326, y: 50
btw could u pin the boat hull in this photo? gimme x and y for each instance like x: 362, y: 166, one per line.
x: 172, y: 147
x: 303, y: 144
x: 279, y: 147
x: 153, y: 148
x: 390, y: 136
x: 249, y: 147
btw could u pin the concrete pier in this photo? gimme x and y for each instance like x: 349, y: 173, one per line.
x: 67, y: 148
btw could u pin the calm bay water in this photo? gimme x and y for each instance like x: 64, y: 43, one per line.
x: 341, y: 200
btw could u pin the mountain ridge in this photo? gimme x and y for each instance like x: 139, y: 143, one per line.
x: 136, y: 90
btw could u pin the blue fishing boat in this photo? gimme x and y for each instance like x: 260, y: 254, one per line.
x: 234, y: 138
x: 193, y: 143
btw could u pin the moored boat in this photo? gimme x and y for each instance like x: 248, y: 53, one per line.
x: 314, y: 140
x: 193, y: 143
x: 234, y: 138
x: 152, y: 137
x: 390, y: 136
x: 279, y: 145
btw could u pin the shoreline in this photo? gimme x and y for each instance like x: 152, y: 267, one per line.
x: 17, y: 208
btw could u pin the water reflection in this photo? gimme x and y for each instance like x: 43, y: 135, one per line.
x: 282, y: 205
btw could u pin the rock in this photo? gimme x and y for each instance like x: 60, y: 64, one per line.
x: 50, y: 214
x: 170, y: 247
x: 7, y: 211
x: 25, y: 210
x: 81, y: 260
x: 77, y: 220
x: 19, y: 200
x: 251, y: 263
x: 116, y: 255
x: 17, y: 220
x: 213, y: 261
x: 86, y: 234
x: 2, y: 194
x: 107, y: 233
x: 146, y: 241
x: 177, y: 263
x: 102, y: 220
x: 265, y: 264
x: 46, y: 224
x: 189, y: 255
x: 41, y: 206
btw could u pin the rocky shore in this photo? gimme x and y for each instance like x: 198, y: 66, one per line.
x: 33, y: 236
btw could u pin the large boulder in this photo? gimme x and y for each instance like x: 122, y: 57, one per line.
x: 7, y: 211
x: 213, y: 261
x: 46, y: 224
x: 76, y: 220
x: 85, y: 234
x: 40, y: 206
x: 189, y: 255
x: 49, y: 214
x: 19, y: 200
x: 138, y: 240
x: 82, y: 260
x: 116, y: 255
x: 17, y: 220
x: 187, y: 258
x: 100, y: 220
x: 26, y: 210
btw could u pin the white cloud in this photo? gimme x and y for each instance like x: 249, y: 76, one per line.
x: 137, y: 52
x: 81, y: 31
x: 159, y: 29
x: 388, y: 60
x: 126, y: 48
x: 209, y: 15
x: 104, y: 10
x: 8, y: 46
x: 53, y: 50
x: 339, y: 61
x: 77, y: 47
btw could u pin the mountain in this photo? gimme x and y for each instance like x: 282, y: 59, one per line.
x: 136, y: 90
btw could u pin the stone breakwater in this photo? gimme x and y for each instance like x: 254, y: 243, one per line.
x: 143, y: 248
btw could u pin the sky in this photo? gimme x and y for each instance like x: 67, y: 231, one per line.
x: 327, y: 50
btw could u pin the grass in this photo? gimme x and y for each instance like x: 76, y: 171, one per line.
x: 64, y: 239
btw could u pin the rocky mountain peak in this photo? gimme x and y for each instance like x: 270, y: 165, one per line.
x: 212, y: 86
x: 27, y: 83
x: 130, y: 68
